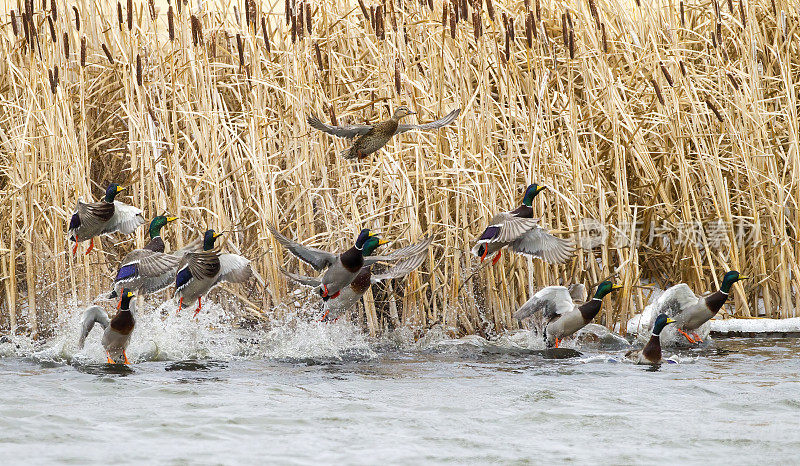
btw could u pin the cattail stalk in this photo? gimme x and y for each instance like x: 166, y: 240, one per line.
x: 108, y: 54
x: 77, y: 19
x: 264, y: 33
x: 666, y: 74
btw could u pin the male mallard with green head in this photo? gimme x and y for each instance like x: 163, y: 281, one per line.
x: 372, y: 138
x: 116, y: 332
x: 521, y: 232
x: 691, y: 312
x: 149, y: 270
x: 200, y: 271
x: 333, y: 308
x: 562, y: 318
x: 103, y: 217
x: 651, y: 353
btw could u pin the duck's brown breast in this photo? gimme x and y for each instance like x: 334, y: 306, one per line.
x: 123, y: 322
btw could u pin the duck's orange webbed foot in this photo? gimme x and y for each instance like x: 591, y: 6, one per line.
x: 686, y: 335
x: 322, y: 319
x: 108, y: 359
x: 126, y: 357
x: 558, y: 342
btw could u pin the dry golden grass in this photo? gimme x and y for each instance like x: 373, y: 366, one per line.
x: 666, y: 114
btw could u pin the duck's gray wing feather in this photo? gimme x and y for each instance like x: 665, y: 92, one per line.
x: 538, y: 242
x: 302, y: 279
x: 233, y: 268
x: 316, y: 258
x: 93, y: 315
x: 445, y: 120
x: 552, y: 301
x: 126, y: 219
x: 402, y: 268
x: 402, y: 253
x: 349, y: 131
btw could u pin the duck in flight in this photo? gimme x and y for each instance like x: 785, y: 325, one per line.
x: 105, y: 216
x: 371, y: 138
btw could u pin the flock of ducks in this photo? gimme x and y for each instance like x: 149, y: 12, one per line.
x: 344, y: 277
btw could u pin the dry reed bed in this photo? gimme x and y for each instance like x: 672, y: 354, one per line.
x: 663, y: 113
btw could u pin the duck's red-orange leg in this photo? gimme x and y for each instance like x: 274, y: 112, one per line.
x: 180, y: 305
x: 690, y: 339
x: 75, y: 248
x: 91, y: 246
x: 126, y: 357
x: 108, y: 359
x: 324, y: 316
x: 558, y: 342
x: 199, y: 306
x: 496, y: 257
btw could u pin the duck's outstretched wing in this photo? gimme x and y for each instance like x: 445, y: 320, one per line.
x: 93, y: 315
x: 505, y: 227
x: 91, y: 216
x: 402, y: 268
x: 445, y: 120
x: 233, y: 268
x: 538, y: 242
x: 316, y: 258
x: 552, y: 301
x: 302, y: 279
x: 349, y: 131
x: 126, y: 219
x: 402, y: 253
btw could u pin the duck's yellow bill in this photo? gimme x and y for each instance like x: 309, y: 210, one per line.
x: 616, y: 287
x: 119, y: 188
x: 541, y: 188
x: 670, y: 320
x: 217, y: 235
x: 130, y: 294
x: 743, y: 277
x: 382, y: 241
x: 172, y: 219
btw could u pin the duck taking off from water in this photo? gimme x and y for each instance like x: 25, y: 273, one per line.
x: 562, y: 318
x: 651, y: 353
x: 148, y: 270
x: 521, y: 232
x: 340, y: 269
x: 689, y: 311
x: 333, y: 308
x: 370, y: 138
x: 116, y: 332
x: 200, y: 271
x: 103, y: 217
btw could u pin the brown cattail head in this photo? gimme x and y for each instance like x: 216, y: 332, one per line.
x: 288, y: 11
x: 108, y: 54
x: 730, y: 6
x: 507, y: 55
x: 445, y: 9
x: 54, y: 9
x: 83, y: 52
x: 171, y: 23
x: 456, y: 9
x: 464, y: 10
x: 379, y: 30
x: 605, y: 41
x: 119, y: 15
x: 246, y: 14
x: 240, y: 49
x: 52, y: 79
x: 667, y: 76
x: 593, y: 11
x: 52, y: 29
x: 733, y: 80
x: 430, y: 5
x: 657, y: 88
x: 77, y: 18
x: 301, y: 21
x: 397, y: 76
x: 264, y: 32
x: 308, y: 18
x: 742, y: 15
x: 180, y: 8
x: 683, y: 68
x: 14, y: 23
x: 318, y: 54
x: 197, y: 31
x: 138, y: 69
x: 564, y: 33
x: 571, y: 44
x: 152, y: 7
x: 453, y: 20
x: 294, y: 29
x: 130, y: 15
x: 683, y: 16
x: 538, y: 12
x: 490, y: 9
x: 528, y: 31
x: 511, y: 28
x: 477, y: 24
x: 66, y: 46
x: 363, y: 11
x: 713, y: 108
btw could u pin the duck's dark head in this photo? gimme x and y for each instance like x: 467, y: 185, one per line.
x: 362, y: 238
x: 605, y: 288
x: 158, y: 223
x: 209, y: 238
x: 729, y: 279
x: 400, y: 112
x: 531, y: 192
x: 661, y: 321
x: 125, y: 299
x: 372, y: 244
x: 112, y: 191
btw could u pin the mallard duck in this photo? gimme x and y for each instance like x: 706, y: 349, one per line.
x: 372, y: 137
x: 334, y: 308
x: 200, y: 271
x: 689, y: 311
x: 562, y: 318
x: 521, y: 232
x: 99, y: 218
x: 116, y: 332
x: 149, y: 270
x: 651, y: 353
